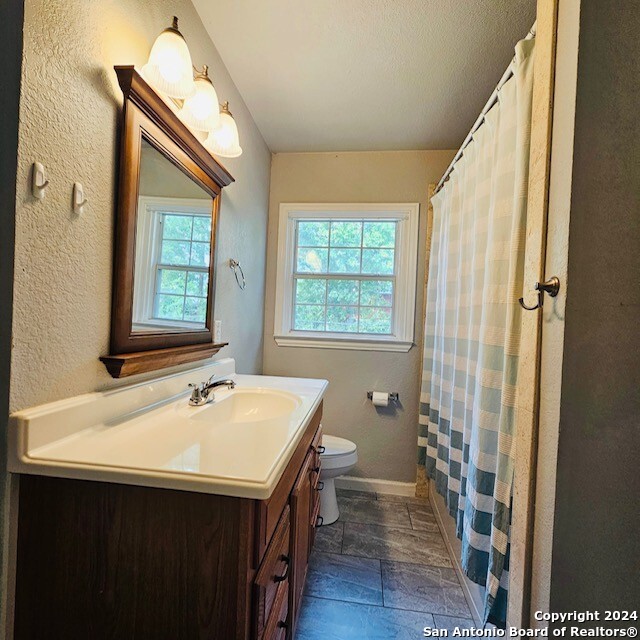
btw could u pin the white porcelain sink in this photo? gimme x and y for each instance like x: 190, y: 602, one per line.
x: 148, y: 434
x: 242, y: 405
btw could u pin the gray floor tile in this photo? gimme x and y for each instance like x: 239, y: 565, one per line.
x: 329, y: 538
x: 441, y: 577
x: 422, y: 517
x: 344, y: 578
x: 389, y: 497
x: 423, y: 588
x: 395, y: 543
x: 354, y: 493
x: 330, y: 620
x: 450, y: 624
x: 374, y: 512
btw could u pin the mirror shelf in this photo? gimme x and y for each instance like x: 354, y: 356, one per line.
x: 129, y: 364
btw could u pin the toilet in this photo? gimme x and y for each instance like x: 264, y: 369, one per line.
x: 338, y: 457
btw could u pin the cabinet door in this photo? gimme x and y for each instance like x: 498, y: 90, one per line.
x: 301, y: 505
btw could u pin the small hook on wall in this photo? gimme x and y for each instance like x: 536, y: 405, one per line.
x: 551, y: 286
x: 39, y: 180
x: 78, y: 198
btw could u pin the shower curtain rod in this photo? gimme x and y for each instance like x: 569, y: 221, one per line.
x: 493, y: 98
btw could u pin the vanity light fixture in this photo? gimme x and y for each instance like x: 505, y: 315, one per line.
x: 202, y: 111
x: 169, y: 68
x: 224, y: 141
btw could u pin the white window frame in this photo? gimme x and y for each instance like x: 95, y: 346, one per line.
x: 149, y: 235
x: 407, y: 216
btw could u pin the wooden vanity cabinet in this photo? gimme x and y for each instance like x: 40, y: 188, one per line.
x: 113, y: 561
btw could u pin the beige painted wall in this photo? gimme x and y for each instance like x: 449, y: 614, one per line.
x: 386, y: 439
x: 69, y: 117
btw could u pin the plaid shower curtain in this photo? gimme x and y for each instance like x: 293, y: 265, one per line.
x: 472, y: 334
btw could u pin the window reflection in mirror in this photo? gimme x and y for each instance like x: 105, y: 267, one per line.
x: 173, y: 248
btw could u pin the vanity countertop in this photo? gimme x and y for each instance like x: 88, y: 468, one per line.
x: 148, y: 435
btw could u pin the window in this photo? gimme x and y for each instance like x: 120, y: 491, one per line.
x: 172, y: 261
x: 347, y: 276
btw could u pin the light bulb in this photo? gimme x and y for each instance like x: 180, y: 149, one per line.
x: 201, y: 111
x: 224, y: 141
x: 169, y: 68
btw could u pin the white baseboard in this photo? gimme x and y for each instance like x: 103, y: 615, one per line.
x: 379, y: 486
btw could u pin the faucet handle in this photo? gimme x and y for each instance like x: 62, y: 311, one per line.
x: 196, y: 394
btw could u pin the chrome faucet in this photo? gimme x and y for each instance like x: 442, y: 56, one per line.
x: 201, y: 393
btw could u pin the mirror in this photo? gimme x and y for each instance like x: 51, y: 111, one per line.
x: 173, y: 248
x: 168, y: 202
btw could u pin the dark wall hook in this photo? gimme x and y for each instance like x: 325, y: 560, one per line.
x: 551, y: 286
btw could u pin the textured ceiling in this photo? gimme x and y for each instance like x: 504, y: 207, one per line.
x: 349, y: 75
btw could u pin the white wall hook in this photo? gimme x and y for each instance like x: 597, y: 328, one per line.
x: 78, y: 198
x: 39, y: 180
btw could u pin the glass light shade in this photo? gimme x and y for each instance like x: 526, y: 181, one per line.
x: 224, y: 141
x: 202, y: 111
x: 169, y: 68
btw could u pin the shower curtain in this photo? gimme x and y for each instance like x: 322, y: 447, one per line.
x: 472, y: 334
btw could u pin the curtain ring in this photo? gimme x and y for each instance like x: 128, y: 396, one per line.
x: 235, y: 265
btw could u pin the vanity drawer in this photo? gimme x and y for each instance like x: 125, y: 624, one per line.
x: 316, y: 483
x: 278, y: 623
x: 273, y: 573
x: 316, y: 444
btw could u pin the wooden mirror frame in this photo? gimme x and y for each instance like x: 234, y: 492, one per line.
x: 146, y: 115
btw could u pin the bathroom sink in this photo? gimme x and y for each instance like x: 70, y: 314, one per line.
x: 242, y: 405
x: 148, y: 434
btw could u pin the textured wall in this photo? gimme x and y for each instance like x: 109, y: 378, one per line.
x: 386, y: 439
x: 596, y: 544
x: 69, y: 118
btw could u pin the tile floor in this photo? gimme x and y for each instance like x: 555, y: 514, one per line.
x: 382, y: 572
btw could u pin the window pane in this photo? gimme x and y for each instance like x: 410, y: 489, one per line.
x: 377, y: 293
x: 195, y: 309
x: 175, y: 252
x: 197, y: 283
x: 379, y: 234
x: 313, y: 234
x: 169, y: 307
x: 171, y: 281
x: 202, y: 228
x: 344, y: 261
x: 375, y: 320
x: 346, y: 234
x: 343, y: 292
x: 177, y: 227
x: 343, y: 319
x: 377, y: 261
x: 309, y: 317
x: 200, y: 254
x: 312, y: 260
x: 310, y: 291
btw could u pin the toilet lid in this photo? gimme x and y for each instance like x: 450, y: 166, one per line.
x: 335, y: 446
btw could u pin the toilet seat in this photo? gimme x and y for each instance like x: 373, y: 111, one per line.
x: 338, y: 453
x: 334, y: 446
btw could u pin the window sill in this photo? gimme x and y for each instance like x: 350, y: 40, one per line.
x: 332, y: 342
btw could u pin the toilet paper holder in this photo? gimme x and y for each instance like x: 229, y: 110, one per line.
x: 393, y: 397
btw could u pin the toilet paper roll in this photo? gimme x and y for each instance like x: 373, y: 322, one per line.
x: 380, y: 399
